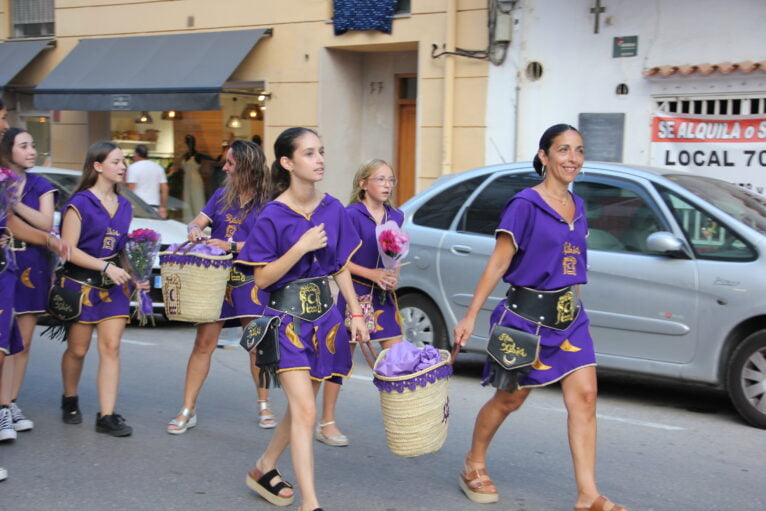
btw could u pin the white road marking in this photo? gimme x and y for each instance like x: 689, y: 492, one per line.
x: 634, y: 422
x: 139, y: 343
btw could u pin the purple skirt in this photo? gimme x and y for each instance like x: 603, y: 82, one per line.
x: 321, y: 347
x: 10, y: 337
x: 561, y: 351
x: 101, y: 304
x: 245, y: 301
x: 34, y: 280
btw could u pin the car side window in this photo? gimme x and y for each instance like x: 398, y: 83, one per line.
x: 619, y: 218
x: 708, y: 237
x: 439, y: 211
x: 483, y: 214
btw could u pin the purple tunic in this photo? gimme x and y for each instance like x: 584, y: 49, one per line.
x: 102, y: 236
x: 34, y: 268
x: 320, y: 347
x: 10, y: 337
x: 550, y: 254
x: 386, y: 311
x: 234, y: 224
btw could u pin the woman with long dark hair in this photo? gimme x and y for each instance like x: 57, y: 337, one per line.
x: 301, y: 239
x: 12, y: 227
x: 35, y: 206
x: 540, y: 251
x: 96, y: 222
x: 230, y: 213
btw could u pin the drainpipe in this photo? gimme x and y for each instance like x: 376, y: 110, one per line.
x: 449, y: 88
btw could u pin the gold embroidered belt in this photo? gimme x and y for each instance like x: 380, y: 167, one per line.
x: 306, y: 299
x: 92, y: 278
x: 237, y: 278
x: 555, y: 309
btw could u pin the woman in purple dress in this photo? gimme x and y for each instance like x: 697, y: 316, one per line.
x: 230, y: 213
x: 35, y: 206
x: 12, y: 227
x: 369, y: 207
x: 540, y: 251
x: 96, y: 222
x: 301, y: 239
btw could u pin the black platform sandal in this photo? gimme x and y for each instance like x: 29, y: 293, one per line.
x: 261, y: 484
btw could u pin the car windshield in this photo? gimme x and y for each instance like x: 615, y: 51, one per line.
x: 746, y: 206
x: 66, y: 183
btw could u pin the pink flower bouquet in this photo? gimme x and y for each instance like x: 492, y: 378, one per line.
x: 142, y: 249
x: 393, y: 245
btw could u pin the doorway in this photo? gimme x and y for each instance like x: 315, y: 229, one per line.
x: 406, y: 119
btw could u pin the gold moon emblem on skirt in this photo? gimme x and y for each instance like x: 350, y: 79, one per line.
x: 330, y: 340
x: 25, y: 278
x: 85, y: 290
x: 228, y: 297
x: 376, y: 315
x: 293, y: 337
x: 540, y: 366
x: 254, y: 295
x: 103, y: 294
x: 568, y: 346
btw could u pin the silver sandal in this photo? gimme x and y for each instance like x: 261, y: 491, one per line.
x: 266, y: 421
x: 189, y: 421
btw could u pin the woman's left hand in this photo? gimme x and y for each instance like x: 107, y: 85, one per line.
x: 359, y: 330
x: 223, y: 245
x: 392, y: 278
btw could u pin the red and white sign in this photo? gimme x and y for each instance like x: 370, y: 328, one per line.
x: 731, y: 148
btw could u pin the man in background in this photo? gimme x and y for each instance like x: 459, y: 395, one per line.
x: 147, y: 179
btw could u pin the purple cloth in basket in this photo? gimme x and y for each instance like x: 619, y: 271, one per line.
x: 190, y: 257
x: 405, y: 358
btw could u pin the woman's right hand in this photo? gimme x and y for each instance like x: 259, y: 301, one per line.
x: 382, y: 278
x: 313, y: 239
x: 195, y: 234
x: 117, y: 274
x: 463, y: 331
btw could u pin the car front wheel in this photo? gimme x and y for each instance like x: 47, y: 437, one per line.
x: 422, y: 323
x: 746, y: 379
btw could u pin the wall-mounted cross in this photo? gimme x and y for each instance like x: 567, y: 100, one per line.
x: 598, y: 10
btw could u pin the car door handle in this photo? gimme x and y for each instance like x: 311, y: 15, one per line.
x: 461, y: 249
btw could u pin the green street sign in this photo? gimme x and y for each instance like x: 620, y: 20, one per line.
x: 625, y: 46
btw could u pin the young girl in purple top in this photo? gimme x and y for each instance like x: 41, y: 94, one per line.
x: 12, y: 227
x: 231, y: 213
x: 369, y: 207
x: 96, y: 223
x: 35, y: 206
x: 300, y: 239
x: 540, y: 251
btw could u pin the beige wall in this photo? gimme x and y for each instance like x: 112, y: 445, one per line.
x: 316, y: 78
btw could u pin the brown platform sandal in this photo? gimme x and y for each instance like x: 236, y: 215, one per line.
x: 477, y: 485
x: 598, y: 505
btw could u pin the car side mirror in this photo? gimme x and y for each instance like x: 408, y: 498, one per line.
x: 667, y: 244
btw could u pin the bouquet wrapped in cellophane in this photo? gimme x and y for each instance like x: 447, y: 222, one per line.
x: 142, y: 249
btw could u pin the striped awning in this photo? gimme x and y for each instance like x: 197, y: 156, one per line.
x: 746, y: 66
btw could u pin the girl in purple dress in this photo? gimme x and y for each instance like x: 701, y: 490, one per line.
x: 96, y: 222
x: 230, y: 213
x: 12, y: 227
x: 300, y: 240
x: 540, y: 251
x: 35, y: 206
x: 369, y: 207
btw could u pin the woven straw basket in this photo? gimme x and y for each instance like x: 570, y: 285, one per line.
x: 415, y: 411
x: 193, y: 285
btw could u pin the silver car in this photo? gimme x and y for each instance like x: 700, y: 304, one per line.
x: 677, y: 271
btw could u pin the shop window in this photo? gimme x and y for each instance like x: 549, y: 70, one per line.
x: 32, y: 18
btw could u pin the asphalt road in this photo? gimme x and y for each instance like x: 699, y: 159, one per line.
x: 661, y: 446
